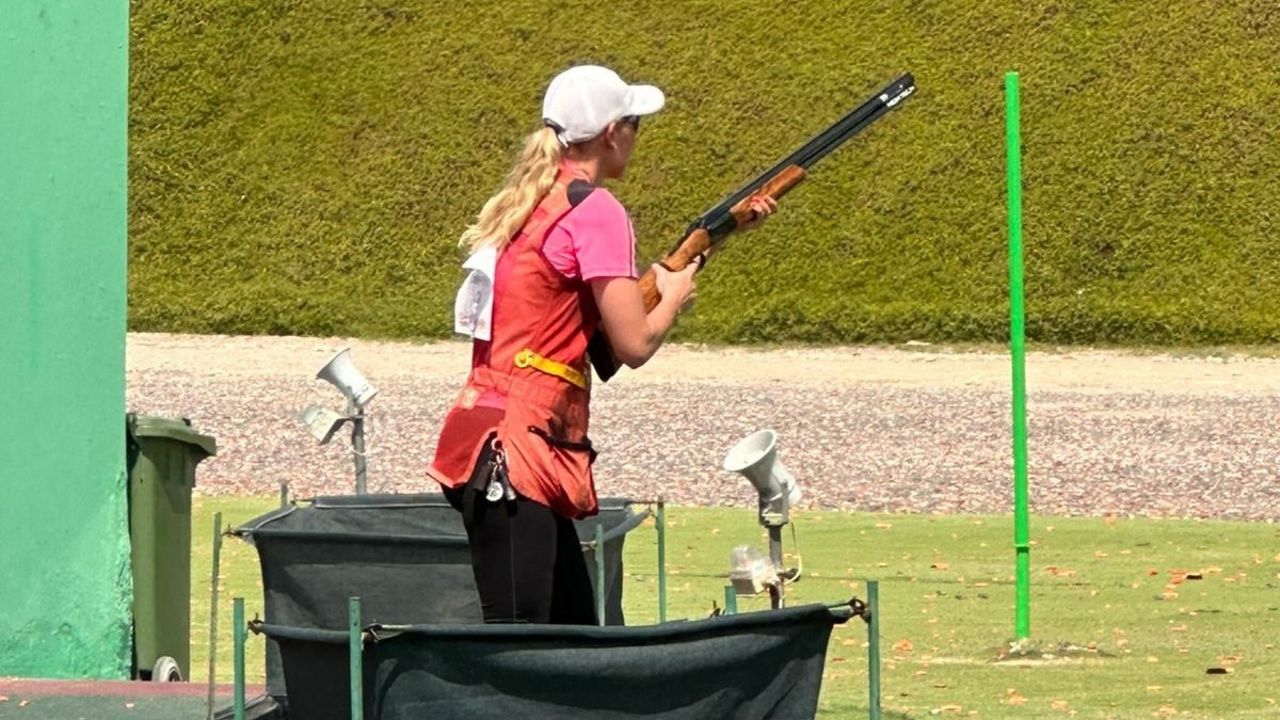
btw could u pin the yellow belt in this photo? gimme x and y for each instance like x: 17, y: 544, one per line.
x: 528, y: 358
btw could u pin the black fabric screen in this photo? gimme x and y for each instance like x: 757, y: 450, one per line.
x: 404, y: 556
x: 756, y: 665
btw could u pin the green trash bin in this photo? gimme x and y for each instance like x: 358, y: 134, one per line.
x: 162, y: 455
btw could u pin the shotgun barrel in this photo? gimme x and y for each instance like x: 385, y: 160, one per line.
x: 710, y: 229
x: 719, y: 221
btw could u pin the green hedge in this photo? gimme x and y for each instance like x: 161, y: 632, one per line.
x: 307, y: 166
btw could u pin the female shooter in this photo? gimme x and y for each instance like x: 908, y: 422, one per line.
x: 552, y: 264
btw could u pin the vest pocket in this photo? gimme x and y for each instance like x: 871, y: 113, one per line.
x: 545, y: 465
x: 583, y: 445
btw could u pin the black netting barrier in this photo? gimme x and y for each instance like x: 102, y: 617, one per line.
x: 756, y: 665
x: 405, y: 556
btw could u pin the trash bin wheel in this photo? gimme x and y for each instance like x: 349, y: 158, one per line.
x: 166, y: 670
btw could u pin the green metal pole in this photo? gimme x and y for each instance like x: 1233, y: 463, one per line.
x: 355, y: 654
x: 873, y: 650
x: 599, y: 553
x: 730, y: 600
x: 213, y: 612
x: 1017, y: 343
x: 662, y: 560
x: 237, y: 617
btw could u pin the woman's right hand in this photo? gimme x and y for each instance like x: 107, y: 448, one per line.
x: 676, y: 287
x: 634, y: 333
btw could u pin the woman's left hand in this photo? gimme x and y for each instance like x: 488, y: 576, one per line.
x: 762, y: 206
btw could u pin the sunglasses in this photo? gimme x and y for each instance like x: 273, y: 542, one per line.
x: 632, y: 120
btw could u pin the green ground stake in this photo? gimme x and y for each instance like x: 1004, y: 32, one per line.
x: 213, y: 611
x: 599, y: 553
x: 730, y: 600
x: 662, y: 560
x: 1017, y: 343
x: 873, y: 649
x: 237, y: 617
x: 355, y: 654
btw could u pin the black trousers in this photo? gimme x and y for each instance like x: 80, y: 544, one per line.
x: 527, y: 560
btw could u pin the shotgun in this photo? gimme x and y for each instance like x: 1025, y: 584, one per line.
x: 708, y: 232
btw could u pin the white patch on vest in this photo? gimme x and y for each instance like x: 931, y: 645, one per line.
x: 473, y: 308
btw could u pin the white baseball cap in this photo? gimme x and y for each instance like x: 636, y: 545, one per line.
x: 582, y: 101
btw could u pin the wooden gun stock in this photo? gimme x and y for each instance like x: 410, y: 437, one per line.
x: 700, y: 242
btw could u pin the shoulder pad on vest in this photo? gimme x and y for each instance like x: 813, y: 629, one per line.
x: 578, y: 191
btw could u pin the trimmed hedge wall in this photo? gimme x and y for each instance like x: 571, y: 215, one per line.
x: 306, y: 167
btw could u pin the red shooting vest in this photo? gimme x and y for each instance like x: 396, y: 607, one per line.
x: 539, y: 417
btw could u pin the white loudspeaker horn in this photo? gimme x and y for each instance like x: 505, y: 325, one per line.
x: 756, y: 457
x: 342, y: 374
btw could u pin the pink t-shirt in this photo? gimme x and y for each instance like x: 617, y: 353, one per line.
x: 593, y: 240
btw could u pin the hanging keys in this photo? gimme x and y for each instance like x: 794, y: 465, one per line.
x: 497, y: 489
x: 494, y: 491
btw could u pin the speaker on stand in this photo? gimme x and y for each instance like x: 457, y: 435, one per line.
x: 756, y: 458
x: 343, y: 374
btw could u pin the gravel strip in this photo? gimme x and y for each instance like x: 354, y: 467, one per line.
x: 861, y: 428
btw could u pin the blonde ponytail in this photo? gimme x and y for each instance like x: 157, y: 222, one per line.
x: 525, y: 186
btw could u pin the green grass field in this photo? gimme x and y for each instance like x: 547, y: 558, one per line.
x: 1121, y: 626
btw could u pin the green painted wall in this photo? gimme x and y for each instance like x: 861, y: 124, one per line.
x: 64, y: 553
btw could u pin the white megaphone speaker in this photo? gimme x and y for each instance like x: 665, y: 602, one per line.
x: 342, y: 374
x: 756, y: 457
